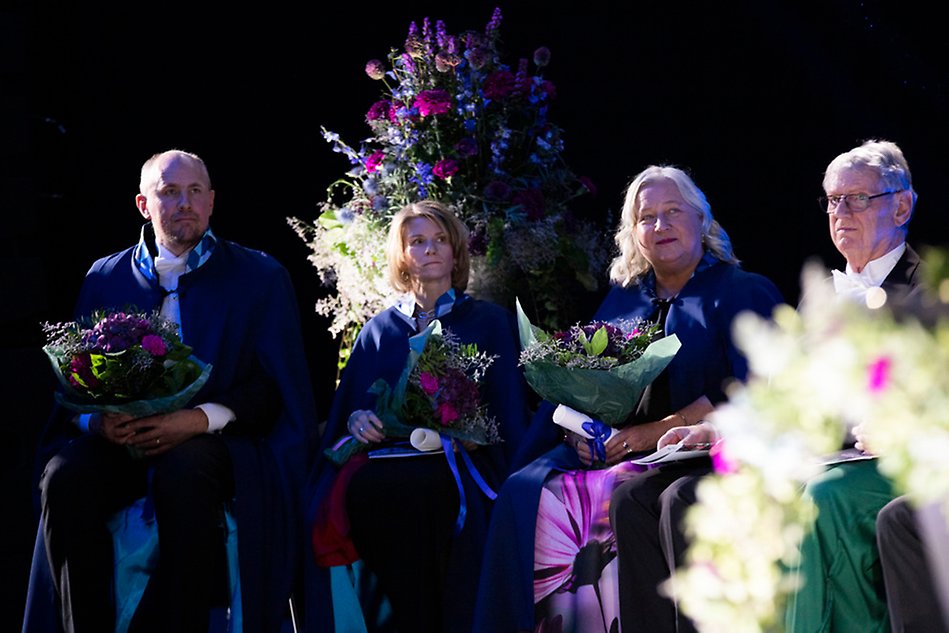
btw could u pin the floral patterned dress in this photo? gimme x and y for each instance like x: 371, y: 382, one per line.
x: 576, y: 587
x: 575, y: 581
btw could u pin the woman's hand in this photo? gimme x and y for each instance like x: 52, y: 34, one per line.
x: 365, y: 426
x: 628, y: 440
x: 624, y: 442
x: 580, y: 445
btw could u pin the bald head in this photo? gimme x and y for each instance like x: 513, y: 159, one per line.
x: 152, y: 168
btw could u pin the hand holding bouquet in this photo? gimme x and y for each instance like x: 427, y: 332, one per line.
x: 437, y: 390
x: 599, y: 370
x: 123, y: 362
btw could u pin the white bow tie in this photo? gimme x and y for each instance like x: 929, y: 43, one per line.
x: 858, y: 289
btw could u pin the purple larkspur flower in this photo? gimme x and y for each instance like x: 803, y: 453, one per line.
x: 432, y: 102
x: 376, y: 69
x: 445, y: 168
x: 542, y: 56
x: 154, y: 345
x: 494, y: 23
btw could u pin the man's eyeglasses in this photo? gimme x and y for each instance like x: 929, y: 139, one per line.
x: 856, y: 202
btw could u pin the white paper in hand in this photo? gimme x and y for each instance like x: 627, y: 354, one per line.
x: 573, y: 420
x: 425, y: 440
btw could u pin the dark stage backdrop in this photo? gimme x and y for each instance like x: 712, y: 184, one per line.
x: 754, y: 98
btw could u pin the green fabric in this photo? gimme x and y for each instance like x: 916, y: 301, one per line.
x: 842, y: 589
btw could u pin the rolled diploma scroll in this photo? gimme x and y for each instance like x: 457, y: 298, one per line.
x: 425, y: 440
x: 573, y: 420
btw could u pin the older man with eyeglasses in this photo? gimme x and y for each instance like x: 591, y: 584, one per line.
x: 869, y: 202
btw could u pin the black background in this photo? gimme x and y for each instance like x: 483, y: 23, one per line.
x: 754, y: 98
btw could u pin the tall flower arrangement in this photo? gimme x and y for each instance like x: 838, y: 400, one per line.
x: 456, y: 123
x: 814, y: 373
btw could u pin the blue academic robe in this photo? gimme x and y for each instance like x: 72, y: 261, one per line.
x: 239, y: 313
x: 381, y: 351
x: 701, y: 316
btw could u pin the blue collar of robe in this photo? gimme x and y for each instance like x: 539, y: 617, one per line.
x: 443, y: 305
x: 143, y: 256
x: 648, y: 283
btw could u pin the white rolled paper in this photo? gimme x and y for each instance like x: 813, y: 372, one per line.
x: 573, y: 420
x: 425, y: 440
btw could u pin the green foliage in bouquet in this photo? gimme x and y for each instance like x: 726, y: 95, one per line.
x: 457, y: 124
x: 123, y: 361
x: 598, y: 369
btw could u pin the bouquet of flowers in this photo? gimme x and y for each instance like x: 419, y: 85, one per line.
x: 457, y: 124
x: 599, y: 369
x: 123, y: 362
x: 437, y: 391
x: 813, y: 373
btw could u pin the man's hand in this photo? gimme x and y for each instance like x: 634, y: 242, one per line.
x: 112, y: 426
x: 701, y: 433
x: 158, y: 434
x: 863, y: 440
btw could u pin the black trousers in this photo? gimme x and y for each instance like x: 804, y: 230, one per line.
x: 88, y: 481
x: 646, y: 515
x: 401, y: 514
x: 910, y: 590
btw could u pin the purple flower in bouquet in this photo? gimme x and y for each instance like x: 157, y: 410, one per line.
x: 433, y: 102
x: 499, y: 84
x: 379, y: 110
x: 428, y: 383
x: 118, y: 358
x: 445, y: 168
x: 154, y: 345
x: 80, y: 372
x: 374, y: 160
x: 443, y: 390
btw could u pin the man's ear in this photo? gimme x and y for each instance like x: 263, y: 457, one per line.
x: 904, y: 208
x: 142, y: 203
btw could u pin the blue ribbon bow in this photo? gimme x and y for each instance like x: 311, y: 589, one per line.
x: 473, y: 471
x: 599, y: 432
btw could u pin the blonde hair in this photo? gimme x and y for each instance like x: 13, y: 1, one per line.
x: 631, y: 264
x: 442, y: 216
